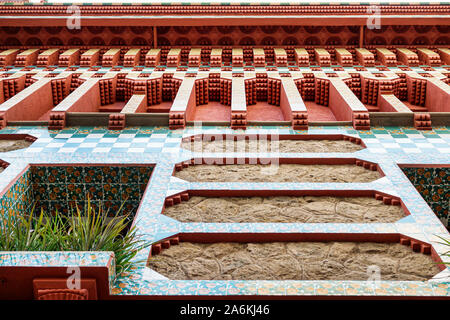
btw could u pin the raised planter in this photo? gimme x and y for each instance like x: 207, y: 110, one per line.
x: 272, y: 169
x: 297, y: 257
x: 285, y: 206
x: 272, y: 143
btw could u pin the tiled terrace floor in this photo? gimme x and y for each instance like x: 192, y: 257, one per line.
x: 385, y: 146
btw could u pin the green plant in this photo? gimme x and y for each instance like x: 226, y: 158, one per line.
x: 95, y: 231
x: 54, y: 233
x: 445, y: 243
x: 21, y: 233
x: 88, y: 230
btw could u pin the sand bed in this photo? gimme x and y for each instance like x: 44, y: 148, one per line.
x: 277, y: 173
x: 304, y: 209
x: 283, y: 146
x: 292, y: 261
x: 10, y: 145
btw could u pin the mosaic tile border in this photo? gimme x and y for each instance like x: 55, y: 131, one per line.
x: 217, y: 3
x: 387, y: 147
x: 434, y: 186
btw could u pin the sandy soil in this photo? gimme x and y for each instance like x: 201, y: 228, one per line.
x: 277, y: 173
x: 292, y: 261
x: 10, y: 145
x: 284, y: 146
x: 285, y: 209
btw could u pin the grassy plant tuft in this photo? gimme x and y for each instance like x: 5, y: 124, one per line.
x: 445, y: 242
x: 90, y: 229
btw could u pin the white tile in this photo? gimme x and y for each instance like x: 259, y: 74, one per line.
x: 414, y: 135
x: 377, y: 150
x: 391, y: 145
x: 75, y: 140
x: 444, y: 150
x: 101, y: 150
x: 34, y: 150
x: 108, y: 140
x: 95, y: 135
x: 172, y: 140
x: 45, y: 140
x: 155, y: 145
x: 371, y: 141
x: 55, y: 145
x: 127, y: 135
x: 141, y: 140
x: 171, y: 150
x: 88, y: 145
x: 158, y: 135
x: 424, y: 145
x: 122, y: 144
x: 63, y: 136
x: 136, y: 150
x: 412, y: 150
x: 436, y: 140
x: 67, y: 150
x: 402, y: 140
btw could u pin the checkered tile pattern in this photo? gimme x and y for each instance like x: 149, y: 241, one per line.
x: 106, y: 143
x: 434, y: 142
x: 411, y: 143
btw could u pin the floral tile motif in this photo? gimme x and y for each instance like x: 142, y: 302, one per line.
x: 57, y: 191
x: 417, y: 289
x: 55, y: 258
x: 55, y: 174
x: 93, y: 175
x: 271, y: 288
x: 112, y: 191
x: 329, y: 288
x: 39, y: 174
x: 63, y: 188
x: 206, y: 288
x: 300, y: 288
x: 434, y: 186
x: 389, y: 288
x: 441, y: 289
x: 94, y: 190
x: 155, y: 288
x: 131, y: 191
x: 179, y: 287
x: 74, y: 175
x: 359, y: 288
x: 240, y: 287
x: 111, y: 175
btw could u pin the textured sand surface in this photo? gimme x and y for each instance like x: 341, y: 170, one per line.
x: 277, y: 173
x: 284, y: 146
x: 285, y: 209
x: 10, y: 145
x: 292, y: 261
